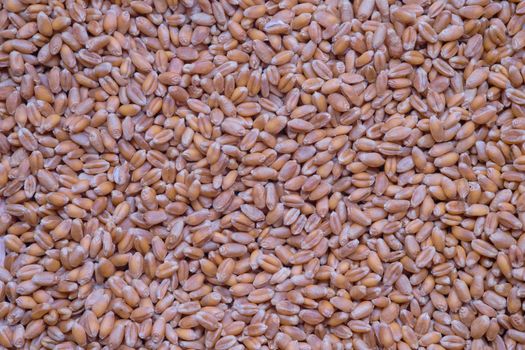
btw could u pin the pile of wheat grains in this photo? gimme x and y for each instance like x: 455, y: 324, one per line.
x: 250, y: 174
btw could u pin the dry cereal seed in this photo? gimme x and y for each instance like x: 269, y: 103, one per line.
x: 262, y: 174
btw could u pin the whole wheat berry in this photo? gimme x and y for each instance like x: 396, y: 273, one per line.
x: 250, y: 174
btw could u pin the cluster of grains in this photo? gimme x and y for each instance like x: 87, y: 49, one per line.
x: 249, y: 174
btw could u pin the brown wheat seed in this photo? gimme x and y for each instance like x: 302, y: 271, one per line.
x: 294, y: 175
